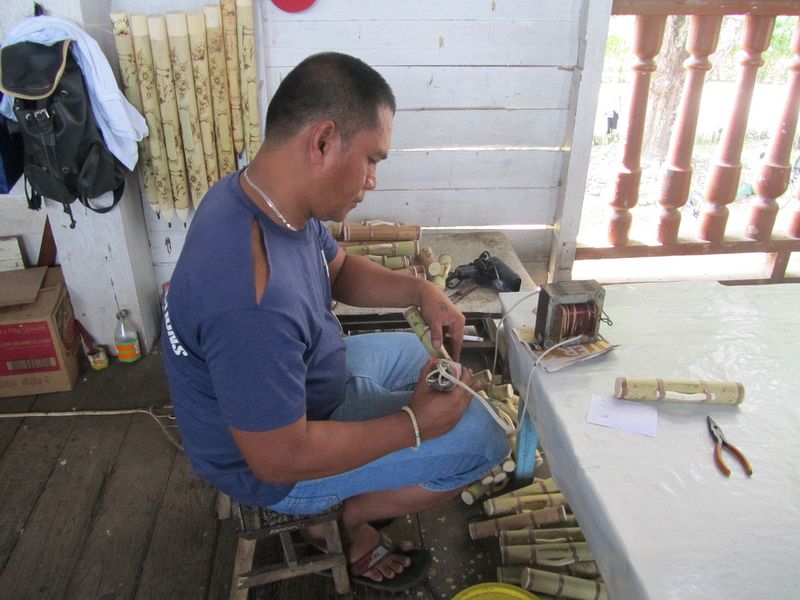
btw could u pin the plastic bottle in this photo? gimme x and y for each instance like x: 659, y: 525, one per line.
x: 126, y: 339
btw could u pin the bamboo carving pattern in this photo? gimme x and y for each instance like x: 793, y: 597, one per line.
x: 219, y: 90
x: 167, y: 178
x: 723, y: 179
x: 773, y: 179
x: 170, y: 118
x: 701, y: 42
x: 196, y: 24
x: 228, y: 8
x: 123, y: 42
x: 180, y: 57
x: 245, y: 27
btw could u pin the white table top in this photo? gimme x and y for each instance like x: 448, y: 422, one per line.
x: 661, y: 519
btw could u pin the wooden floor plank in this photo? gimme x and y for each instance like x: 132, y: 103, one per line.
x: 222, y: 567
x: 9, y: 427
x: 178, y: 562
x: 42, y: 561
x: 125, y: 516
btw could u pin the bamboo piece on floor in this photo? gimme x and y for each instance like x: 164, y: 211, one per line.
x: 180, y: 55
x: 406, y: 248
x: 531, y: 518
x: 510, y: 574
x: 390, y: 262
x: 539, y: 486
x: 551, y: 554
x: 478, y: 490
x: 226, y: 159
x: 123, y: 41
x: 196, y: 25
x: 146, y: 75
x: 515, y: 537
x: 586, y: 569
x: 245, y: 35
x: 500, y: 392
x: 563, y: 586
x: 170, y: 122
x: 502, y: 506
x: 228, y: 8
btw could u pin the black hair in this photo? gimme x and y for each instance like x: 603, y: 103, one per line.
x: 331, y: 86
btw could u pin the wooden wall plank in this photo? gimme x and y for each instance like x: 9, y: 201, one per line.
x: 430, y: 42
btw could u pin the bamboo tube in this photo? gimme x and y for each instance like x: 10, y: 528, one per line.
x: 123, y: 41
x: 228, y: 9
x: 425, y: 258
x: 530, y: 518
x: 512, y: 575
x: 226, y: 160
x: 447, y: 263
x: 500, y: 392
x: 543, y: 535
x: 585, y: 569
x: 146, y: 75
x: 555, y: 554
x: 180, y: 55
x: 439, y: 280
x: 539, y: 486
x: 412, y: 270
x: 405, y: 248
x: 390, y: 262
x: 377, y: 232
x: 420, y: 327
x: 245, y: 30
x: 681, y: 390
x: 478, y: 490
x: 563, y: 586
x: 157, y: 26
x: 503, y: 506
x: 196, y: 25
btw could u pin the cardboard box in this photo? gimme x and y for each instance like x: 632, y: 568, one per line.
x: 38, y: 341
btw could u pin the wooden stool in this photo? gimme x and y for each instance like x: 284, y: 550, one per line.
x: 254, y: 523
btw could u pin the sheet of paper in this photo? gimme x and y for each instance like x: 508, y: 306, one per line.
x: 634, y: 417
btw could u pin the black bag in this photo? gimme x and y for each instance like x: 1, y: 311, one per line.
x: 65, y: 156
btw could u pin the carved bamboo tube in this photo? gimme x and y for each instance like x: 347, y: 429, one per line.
x: 123, y: 41
x: 563, y: 586
x: 220, y: 99
x: 512, y: 575
x: 180, y: 55
x: 406, y: 248
x: 647, y: 42
x: 531, y: 518
x: 157, y: 26
x: 228, y: 9
x: 555, y: 554
x: 196, y: 24
x: 775, y: 171
x: 680, y: 390
x: 545, y: 535
x: 503, y: 506
x: 245, y: 33
x: 700, y: 43
x: 539, y: 486
x: 414, y: 317
x: 723, y: 179
x: 374, y: 232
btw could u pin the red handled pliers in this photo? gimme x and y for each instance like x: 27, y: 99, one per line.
x: 719, y: 443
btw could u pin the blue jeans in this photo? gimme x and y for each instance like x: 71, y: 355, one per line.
x: 382, y: 370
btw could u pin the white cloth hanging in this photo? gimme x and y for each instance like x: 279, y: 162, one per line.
x: 121, y: 124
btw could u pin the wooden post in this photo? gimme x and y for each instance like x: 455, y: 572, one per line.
x: 701, y: 42
x: 723, y: 179
x: 647, y: 43
x: 774, y: 175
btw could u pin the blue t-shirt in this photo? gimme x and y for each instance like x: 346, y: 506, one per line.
x: 233, y: 362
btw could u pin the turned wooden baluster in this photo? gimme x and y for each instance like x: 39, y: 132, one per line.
x: 793, y: 228
x: 773, y: 178
x: 723, y: 179
x: 700, y: 43
x: 647, y: 43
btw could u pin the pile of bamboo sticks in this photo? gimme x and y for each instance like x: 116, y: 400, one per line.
x: 193, y: 77
x: 395, y: 246
x: 542, y: 547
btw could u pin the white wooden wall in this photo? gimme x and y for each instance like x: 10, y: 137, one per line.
x: 485, y: 95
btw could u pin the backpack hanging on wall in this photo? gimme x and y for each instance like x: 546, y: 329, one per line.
x: 65, y: 157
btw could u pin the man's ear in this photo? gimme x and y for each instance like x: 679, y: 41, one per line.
x: 323, y: 135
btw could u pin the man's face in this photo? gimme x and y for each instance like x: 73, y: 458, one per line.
x: 352, y: 171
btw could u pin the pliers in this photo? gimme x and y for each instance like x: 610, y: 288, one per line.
x: 719, y: 443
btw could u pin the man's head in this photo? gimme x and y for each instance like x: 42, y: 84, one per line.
x: 328, y: 86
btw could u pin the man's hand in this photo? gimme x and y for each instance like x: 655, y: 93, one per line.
x: 444, y: 319
x: 438, y: 412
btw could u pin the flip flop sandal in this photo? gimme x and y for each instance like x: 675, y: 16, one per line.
x: 412, y: 575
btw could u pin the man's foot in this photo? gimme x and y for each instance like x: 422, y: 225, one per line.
x: 384, y: 561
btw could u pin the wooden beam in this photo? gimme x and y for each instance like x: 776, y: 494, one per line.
x: 688, y: 248
x: 705, y: 7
